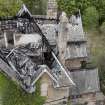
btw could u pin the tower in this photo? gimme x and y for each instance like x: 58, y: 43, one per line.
x: 52, y: 9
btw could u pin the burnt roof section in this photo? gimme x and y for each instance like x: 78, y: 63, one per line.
x: 26, y: 21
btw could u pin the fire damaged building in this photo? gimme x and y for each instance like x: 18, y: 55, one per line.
x: 53, y: 50
x: 26, y: 56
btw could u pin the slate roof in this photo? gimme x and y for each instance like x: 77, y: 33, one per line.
x: 76, y: 39
x: 50, y: 31
x: 86, y: 81
x: 75, y: 33
x: 76, y: 51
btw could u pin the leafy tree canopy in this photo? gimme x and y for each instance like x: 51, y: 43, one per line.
x: 9, y: 7
x: 36, y: 6
x: 69, y: 6
x: 90, y: 18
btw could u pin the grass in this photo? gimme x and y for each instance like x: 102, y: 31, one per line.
x: 12, y: 94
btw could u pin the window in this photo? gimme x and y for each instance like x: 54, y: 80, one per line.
x: 44, y: 89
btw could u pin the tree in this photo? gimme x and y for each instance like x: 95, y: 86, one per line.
x: 101, y: 9
x: 69, y: 6
x: 9, y: 7
x: 36, y: 6
x: 83, y: 4
x: 90, y: 18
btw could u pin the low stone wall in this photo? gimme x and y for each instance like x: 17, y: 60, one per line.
x: 90, y: 99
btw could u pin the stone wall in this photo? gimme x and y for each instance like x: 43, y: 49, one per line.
x: 54, y: 94
x: 90, y: 99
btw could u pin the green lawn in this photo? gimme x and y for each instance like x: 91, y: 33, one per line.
x: 12, y: 94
